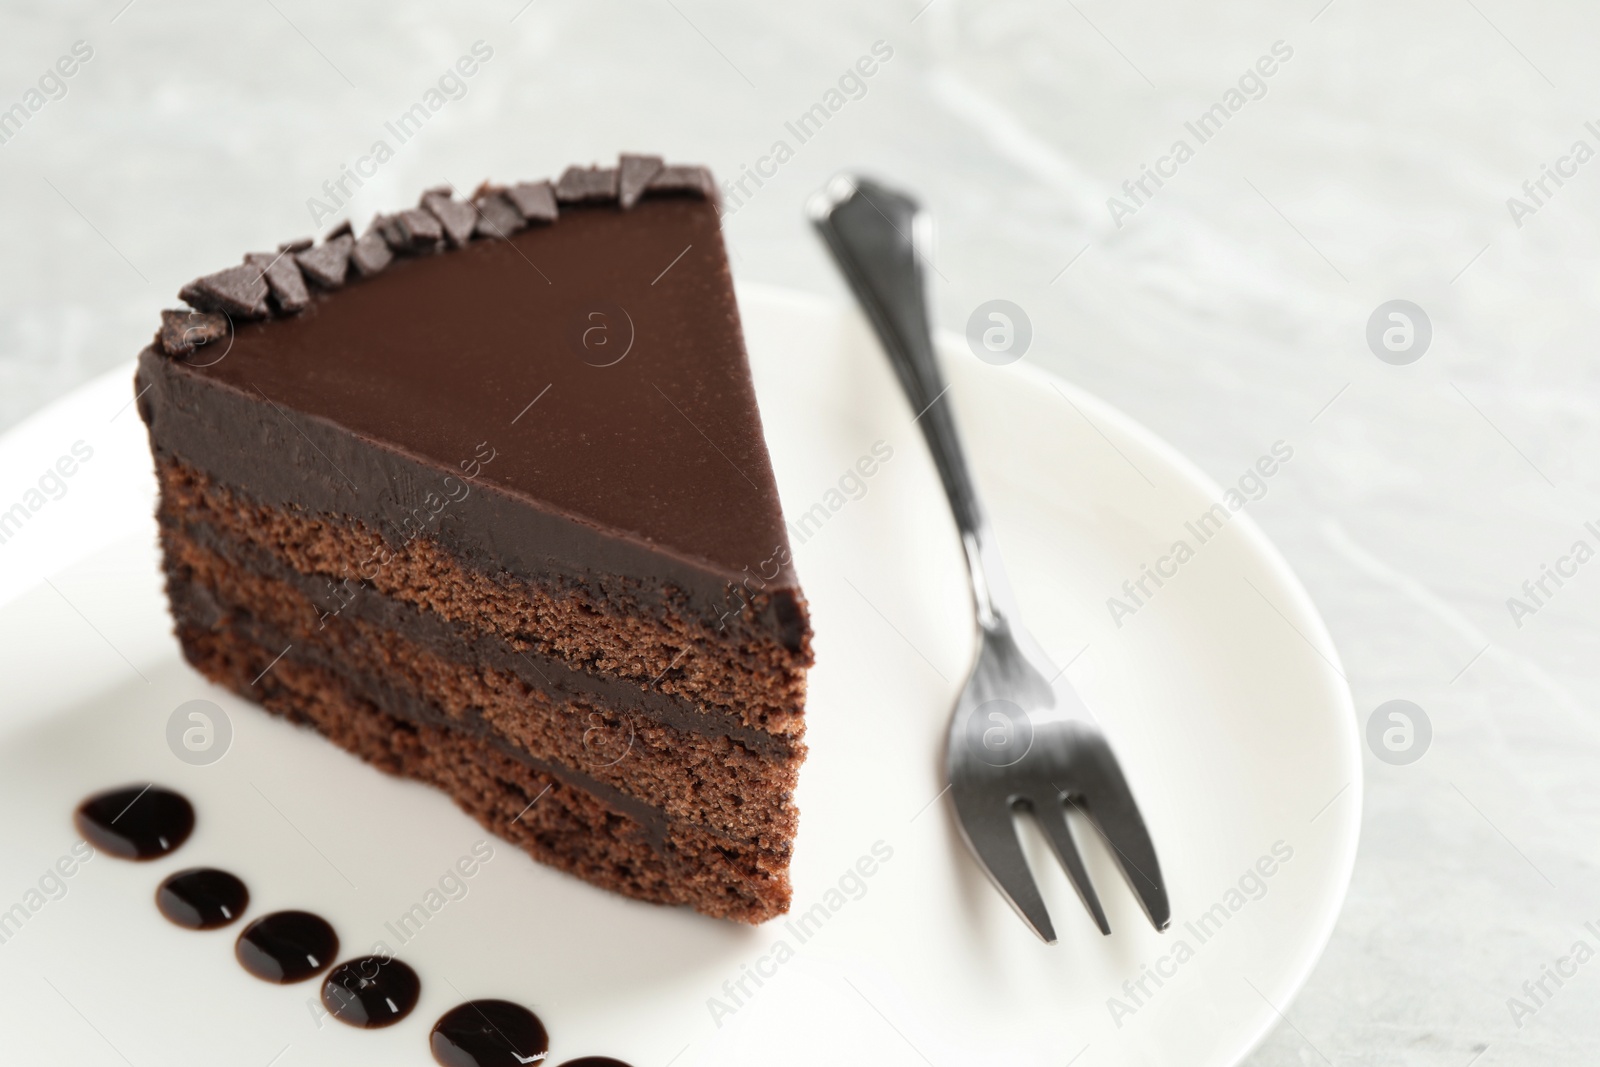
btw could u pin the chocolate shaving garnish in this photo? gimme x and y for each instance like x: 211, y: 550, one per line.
x: 243, y: 292
x: 457, y: 218
x: 371, y: 253
x: 182, y: 331
x: 536, y: 200
x: 587, y: 185
x: 327, y: 263
x: 413, y: 230
x: 238, y: 291
x: 497, y: 217
x: 695, y: 180
x: 387, y: 227
x: 283, y: 278
x: 633, y: 176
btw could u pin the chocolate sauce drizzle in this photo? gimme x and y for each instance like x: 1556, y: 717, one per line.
x: 144, y: 822
x: 202, y: 898
x: 371, y: 991
x: 139, y: 822
x: 489, y: 1033
x: 286, y: 946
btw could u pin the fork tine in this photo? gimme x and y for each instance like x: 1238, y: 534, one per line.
x: 1053, y: 821
x: 987, y: 825
x: 1109, y: 804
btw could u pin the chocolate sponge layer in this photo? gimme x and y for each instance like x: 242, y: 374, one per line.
x: 707, y: 779
x: 601, y: 628
x: 651, y: 793
x: 555, y: 820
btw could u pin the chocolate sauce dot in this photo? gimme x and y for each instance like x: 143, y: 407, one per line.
x: 489, y: 1033
x: 202, y: 898
x: 594, y: 1061
x: 140, y: 822
x: 371, y: 991
x: 286, y: 946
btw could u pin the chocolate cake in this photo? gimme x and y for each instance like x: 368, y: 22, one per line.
x: 482, y: 496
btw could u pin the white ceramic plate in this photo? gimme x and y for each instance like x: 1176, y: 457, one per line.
x: 1221, y: 696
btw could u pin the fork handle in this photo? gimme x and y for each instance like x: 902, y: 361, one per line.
x: 878, y: 236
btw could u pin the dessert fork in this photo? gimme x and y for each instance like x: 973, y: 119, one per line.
x: 1020, y: 737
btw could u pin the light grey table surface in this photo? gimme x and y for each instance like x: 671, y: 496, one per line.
x: 1226, y: 311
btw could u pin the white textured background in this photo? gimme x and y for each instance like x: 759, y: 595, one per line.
x: 1228, y: 313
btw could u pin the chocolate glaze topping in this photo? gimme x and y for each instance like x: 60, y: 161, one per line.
x: 598, y: 357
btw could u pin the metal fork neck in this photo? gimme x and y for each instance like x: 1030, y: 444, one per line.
x: 990, y: 592
x: 879, y: 237
x: 986, y: 596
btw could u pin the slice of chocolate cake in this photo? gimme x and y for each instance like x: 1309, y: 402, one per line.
x: 482, y: 495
